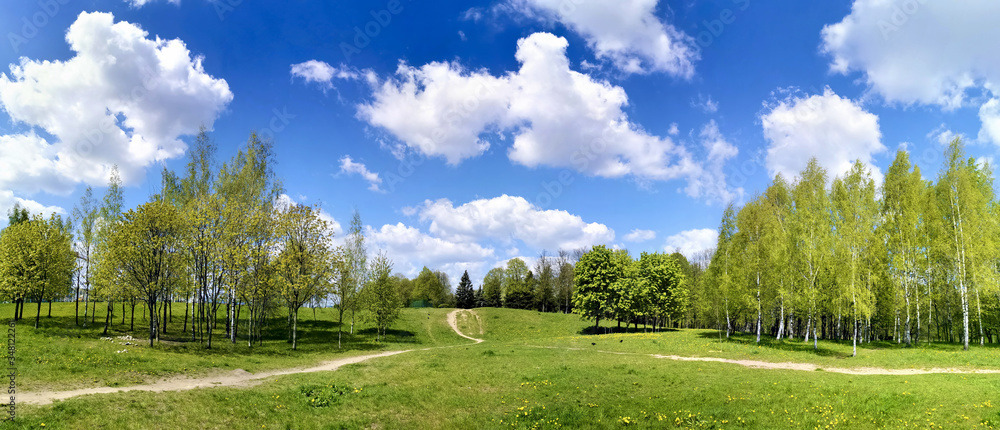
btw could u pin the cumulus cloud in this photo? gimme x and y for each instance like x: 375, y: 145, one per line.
x: 705, y: 104
x: 559, y: 117
x: 319, y: 72
x: 121, y: 99
x: 140, y: 3
x: 638, y: 236
x: 922, y: 52
x: 410, y: 250
x: 8, y: 201
x: 835, y: 130
x: 692, y: 242
x: 350, y: 167
x: 508, y: 218
x: 627, y: 33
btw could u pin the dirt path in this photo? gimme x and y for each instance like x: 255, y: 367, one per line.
x: 453, y: 322
x: 236, y: 378
x: 806, y: 367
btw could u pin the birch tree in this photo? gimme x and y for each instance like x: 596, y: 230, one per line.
x: 855, y: 211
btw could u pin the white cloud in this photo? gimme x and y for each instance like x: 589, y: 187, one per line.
x: 121, y: 99
x: 410, y: 250
x: 901, y: 50
x: 989, y: 114
x: 439, y: 109
x: 321, y: 73
x: 692, y: 242
x: 140, y: 3
x: 638, y: 235
x: 706, y: 104
x: 710, y: 178
x: 8, y: 200
x: 626, y: 32
x: 559, y: 117
x: 835, y: 130
x: 922, y: 52
x: 943, y: 135
x: 508, y: 218
x: 348, y: 166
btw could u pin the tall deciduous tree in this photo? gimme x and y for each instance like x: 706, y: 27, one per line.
x: 901, y: 207
x: 855, y: 212
x: 380, y: 295
x: 144, y: 255
x: 811, y: 234
x: 595, y: 277
x: 544, y: 284
x: 356, y: 275
x: 86, y: 215
x: 36, y: 260
x: 305, y: 265
x: 493, y: 287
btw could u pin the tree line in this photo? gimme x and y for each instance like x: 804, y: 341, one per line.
x: 907, y: 260
x: 217, y: 240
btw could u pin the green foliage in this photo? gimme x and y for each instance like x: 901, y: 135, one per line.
x: 380, y: 296
x: 36, y: 260
x: 306, y: 263
x: 465, y: 298
x: 493, y: 288
x: 428, y: 287
x: 143, y: 257
x: 595, y: 278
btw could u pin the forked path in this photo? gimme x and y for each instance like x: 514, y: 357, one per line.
x: 453, y: 322
x: 236, y: 378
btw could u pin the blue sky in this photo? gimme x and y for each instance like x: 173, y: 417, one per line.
x: 467, y: 133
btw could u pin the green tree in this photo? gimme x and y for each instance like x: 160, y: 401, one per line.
x: 664, y: 284
x: 143, y: 255
x: 901, y: 206
x: 516, y: 290
x: 380, y: 295
x: 464, y: 296
x: 595, y: 276
x: 545, y: 284
x: 428, y: 287
x: 493, y: 287
x: 855, y: 212
x: 811, y: 240
x: 355, y: 275
x: 36, y: 260
x: 305, y: 265
x: 757, y: 241
x: 564, y: 281
x: 111, y: 215
x: 86, y: 214
x: 720, y: 270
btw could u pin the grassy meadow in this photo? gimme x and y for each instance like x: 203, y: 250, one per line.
x: 533, y: 371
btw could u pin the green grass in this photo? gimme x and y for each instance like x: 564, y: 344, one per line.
x: 524, y: 376
x: 60, y: 355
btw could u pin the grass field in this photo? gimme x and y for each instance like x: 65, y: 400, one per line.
x: 533, y: 371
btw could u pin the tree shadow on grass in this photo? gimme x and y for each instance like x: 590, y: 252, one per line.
x: 780, y: 345
x: 392, y: 335
x: 595, y: 331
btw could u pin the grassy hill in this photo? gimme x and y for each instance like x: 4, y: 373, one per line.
x: 541, y: 371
